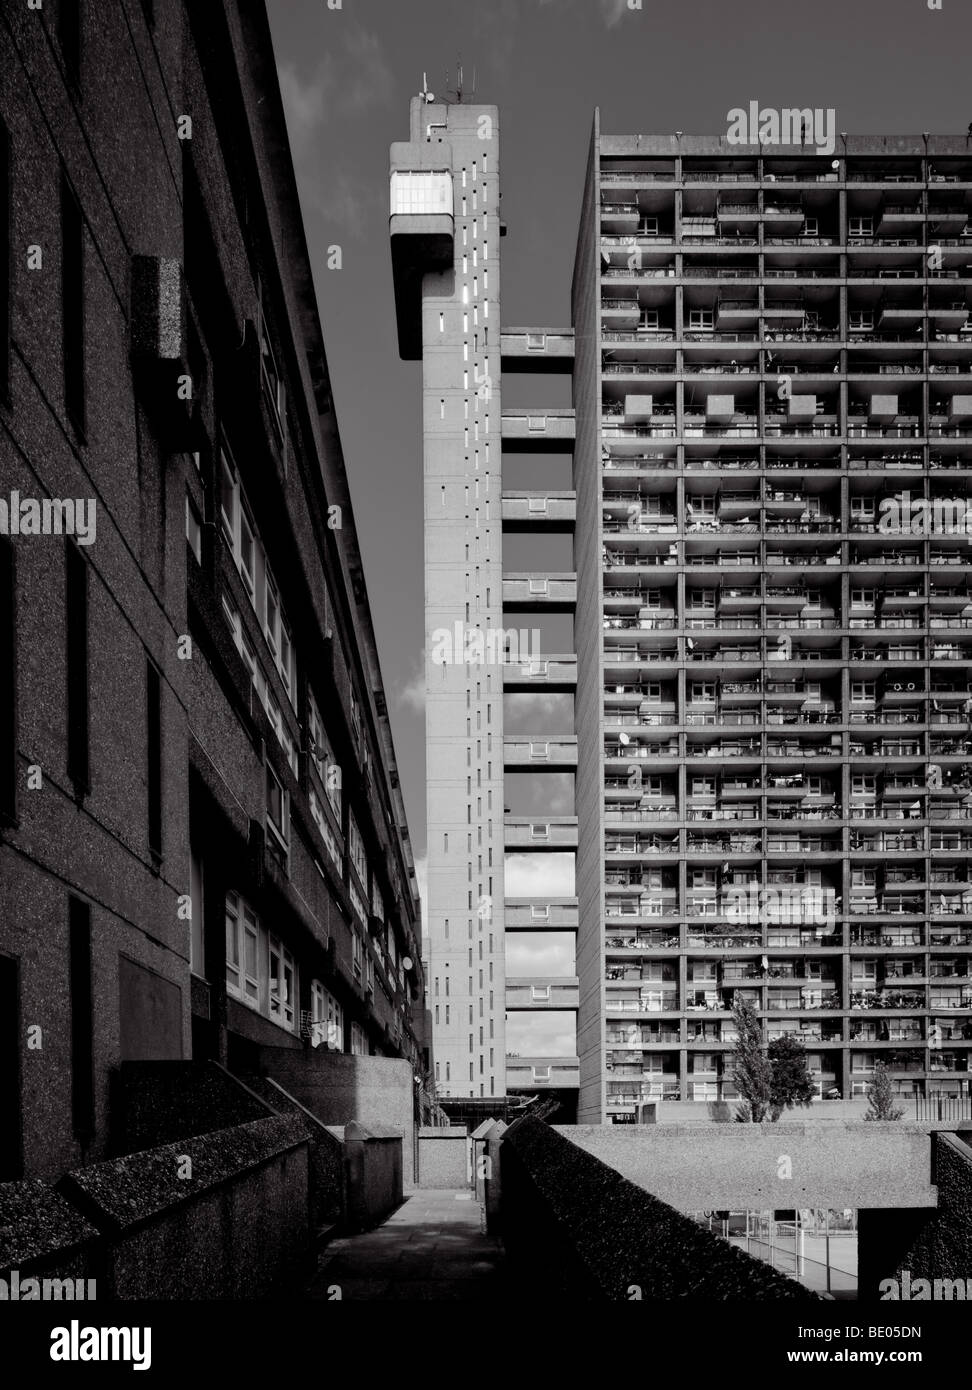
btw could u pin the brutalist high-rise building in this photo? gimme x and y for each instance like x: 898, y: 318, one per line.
x: 767, y: 688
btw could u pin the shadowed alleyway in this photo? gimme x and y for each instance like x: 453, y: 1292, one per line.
x: 433, y: 1247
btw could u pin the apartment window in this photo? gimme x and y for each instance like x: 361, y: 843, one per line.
x: 860, y: 320
x: 327, y: 834
x: 229, y: 499
x: 197, y: 933
x: 6, y: 204
x: 356, y: 955
x: 359, y: 1040
x: 860, y: 226
x: 327, y: 1018
x: 862, y: 598
x: 355, y: 716
x: 194, y: 528
x: 278, y: 634
x: 153, y: 688
x: 82, y: 1020
x: 377, y: 903
x: 242, y: 950
x: 278, y: 811
x: 72, y: 303
x: 359, y: 904
x: 282, y: 982
x: 11, y: 1155
x: 8, y: 682
x: 357, y: 850
x: 701, y: 319
x: 273, y: 387
x: 862, y: 692
x: 76, y: 616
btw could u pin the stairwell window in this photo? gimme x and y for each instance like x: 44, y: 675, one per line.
x: 76, y: 575
x: 69, y: 38
x: 8, y: 683
x: 6, y: 205
x: 194, y: 528
x: 72, y: 304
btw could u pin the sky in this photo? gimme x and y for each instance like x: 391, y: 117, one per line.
x: 347, y: 74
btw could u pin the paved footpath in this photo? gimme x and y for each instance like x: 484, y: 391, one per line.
x: 433, y: 1247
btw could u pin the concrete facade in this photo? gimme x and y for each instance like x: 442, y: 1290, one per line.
x: 770, y: 354
x: 443, y: 1157
x: 203, y: 844
x: 445, y: 231
x: 826, y: 1165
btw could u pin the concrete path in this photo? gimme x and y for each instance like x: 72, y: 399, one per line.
x: 433, y: 1247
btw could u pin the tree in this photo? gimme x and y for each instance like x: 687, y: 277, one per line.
x: 751, y: 1071
x: 881, y: 1096
x: 790, y: 1082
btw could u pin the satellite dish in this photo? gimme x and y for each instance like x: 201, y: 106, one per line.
x: 835, y: 164
x: 407, y: 962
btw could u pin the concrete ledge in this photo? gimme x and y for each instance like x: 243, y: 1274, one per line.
x: 443, y: 1157
x: 575, y: 1229
x: 40, y: 1230
x: 124, y: 1193
x: 701, y: 1167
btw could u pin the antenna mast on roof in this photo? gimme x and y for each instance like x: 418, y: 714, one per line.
x: 456, y: 93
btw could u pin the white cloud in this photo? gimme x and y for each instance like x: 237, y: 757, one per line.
x: 540, y: 1033
x: 539, y: 875
x: 348, y: 80
x: 412, y: 694
x: 614, y: 11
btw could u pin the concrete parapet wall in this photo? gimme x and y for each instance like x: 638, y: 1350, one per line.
x: 234, y: 1224
x: 443, y: 1157
x: 339, y: 1088
x: 761, y: 1167
x: 372, y: 1175
x: 926, y: 1245
x: 574, y: 1228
